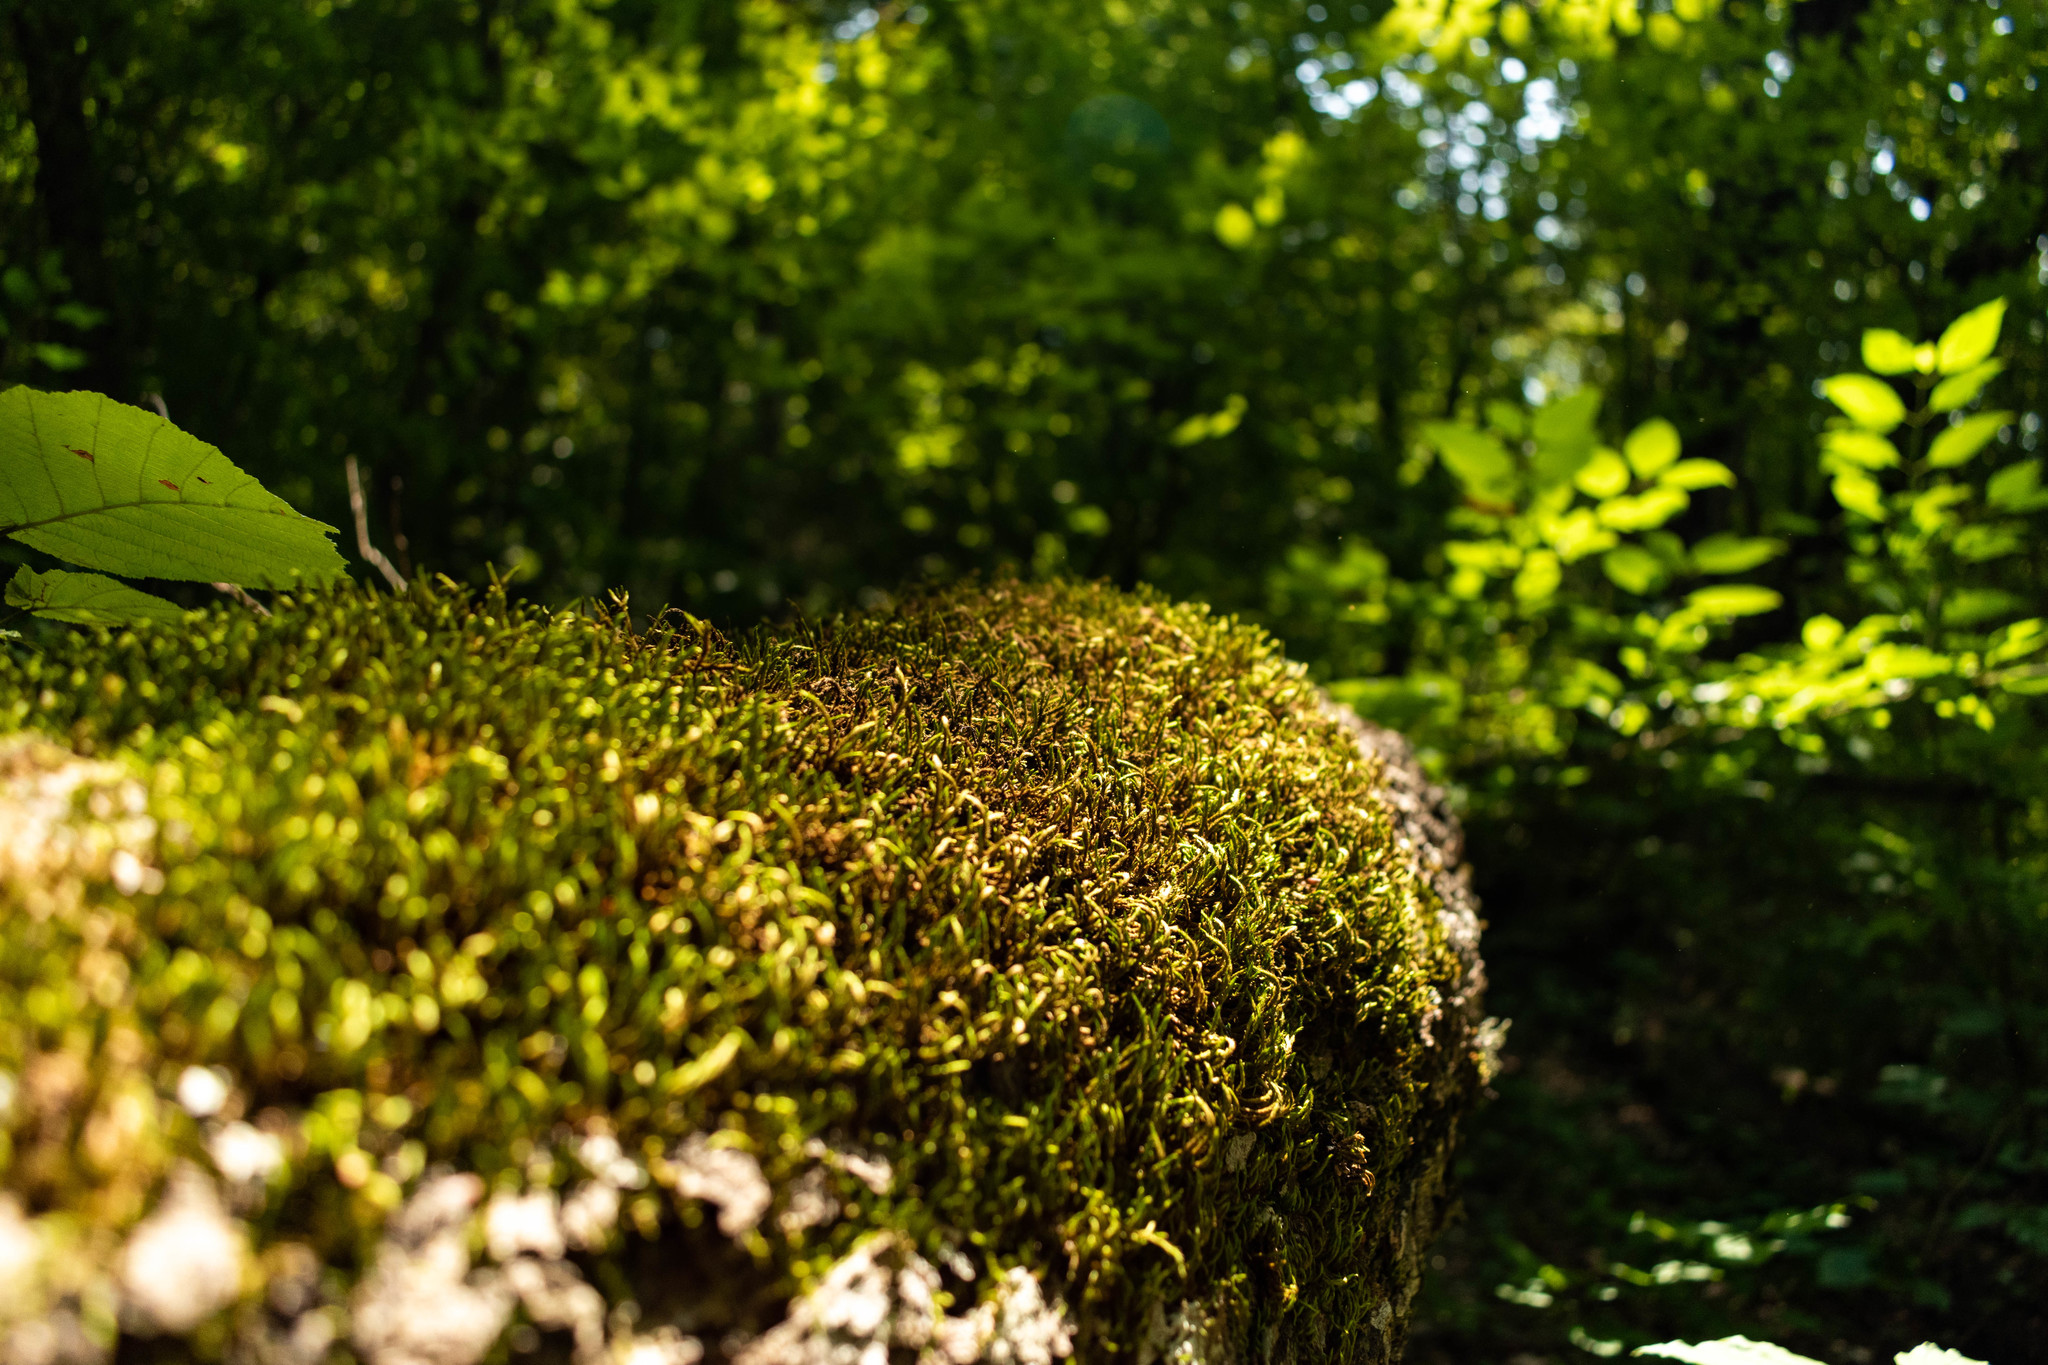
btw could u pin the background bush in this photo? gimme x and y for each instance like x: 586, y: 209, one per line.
x: 745, y: 305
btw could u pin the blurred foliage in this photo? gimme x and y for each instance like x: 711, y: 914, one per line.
x: 1301, y: 309
x: 1838, y: 836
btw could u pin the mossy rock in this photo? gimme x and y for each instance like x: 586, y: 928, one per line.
x: 1021, y: 972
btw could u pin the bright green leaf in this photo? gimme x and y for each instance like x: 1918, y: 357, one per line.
x: 1934, y: 508
x: 1632, y: 568
x: 1645, y: 510
x: 2017, y: 640
x: 1203, y: 426
x: 1886, y: 352
x: 87, y: 599
x: 1726, y: 553
x: 1860, y: 494
x: 1907, y: 661
x: 1820, y: 633
x: 1958, y: 443
x: 1927, y: 1353
x: 57, y: 356
x: 1693, y: 475
x: 1568, y: 420
x: 1734, y: 599
x: 1539, y: 577
x: 1870, y: 403
x: 112, y: 487
x: 1577, y: 534
x: 1970, y: 338
x: 1651, y: 447
x: 1727, y: 1351
x: 1860, y: 448
x: 1958, y: 392
x: 1565, y: 437
x: 1975, y: 606
x: 1604, y: 475
x: 1487, y: 556
x: 1478, y: 460
x: 1235, y: 227
x: 1555, y: 466
x: 2016, y: 488
x: 1979, y: 543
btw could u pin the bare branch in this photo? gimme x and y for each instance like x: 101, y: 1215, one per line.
x: 360, y: 507
x: 241, y: 594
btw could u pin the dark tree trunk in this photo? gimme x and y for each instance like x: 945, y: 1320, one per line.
x: 48, y: 38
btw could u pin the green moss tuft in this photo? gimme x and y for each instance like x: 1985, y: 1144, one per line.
x: 1035, y: 926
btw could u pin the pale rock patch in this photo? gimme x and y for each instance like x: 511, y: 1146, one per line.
x: 523, y: 1224
x: 882, y: 1293
x: 1030, y: 1329
x: 48, y: 853
x: 589, y: 1215
x: 724, y: 1176
x: 556, y: 1296
x: 245, y: 1155
x: 183, y: 1263
x: 420, y: 1304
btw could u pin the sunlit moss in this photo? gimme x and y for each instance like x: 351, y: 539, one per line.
x: 1076, y: 908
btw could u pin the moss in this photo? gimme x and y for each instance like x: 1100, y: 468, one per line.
x: 1041, y: 927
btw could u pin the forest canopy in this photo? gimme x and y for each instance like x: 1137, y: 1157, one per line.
x: 1616, y: 396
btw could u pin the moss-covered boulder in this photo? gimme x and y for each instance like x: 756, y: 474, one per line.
x: 1026, y: 972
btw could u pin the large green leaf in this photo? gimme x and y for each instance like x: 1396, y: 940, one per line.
x: 1565, y: 436
x: 1539, y: 577
x: 2016, y: 488
x: 1727, y: 553
x: 1480, y: 462
x: 1969, y: 339
x: 1957, y: 390
x: 87, y: 599
x: 1870, y: 403
x: 1651, y: 447
x: 1862, y: 448
x: 1734, y: 599
x: 1955, y: 445
x: 1860, y: 493
x: 1603, y: 476
x: 1695, y: 474
x: 1887, y: 352
x: 112, y: 487
x: 1645, y: 510
x: 1633, y: 568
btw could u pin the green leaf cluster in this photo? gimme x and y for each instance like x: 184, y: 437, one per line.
x: 107, y: 486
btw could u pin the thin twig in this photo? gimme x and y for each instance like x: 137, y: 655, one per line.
x: 241, y: 594
x: 361, y: 508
